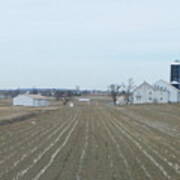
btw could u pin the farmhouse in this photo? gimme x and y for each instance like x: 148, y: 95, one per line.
x: 143, y: 94
x: 146, y: 93
x: 30, y: 100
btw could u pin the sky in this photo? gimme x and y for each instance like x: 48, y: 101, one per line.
x: 90, y: 43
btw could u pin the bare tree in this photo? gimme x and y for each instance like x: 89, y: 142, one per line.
x: 114, y: 91
x: 34, y: 90
x: 77, y: 91
x: 58, y: 94
x: 129, y: 89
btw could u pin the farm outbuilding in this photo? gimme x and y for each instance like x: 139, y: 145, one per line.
x: 84, y: 100
x: 122, y: 100
x: 30, y: 100
x: 160, y: 92
x: 146, y: 93
x: 173, y: 92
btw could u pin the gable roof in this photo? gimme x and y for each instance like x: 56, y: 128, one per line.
x: 37, y: 96
x: 168, y: 84
x: 144, y: 84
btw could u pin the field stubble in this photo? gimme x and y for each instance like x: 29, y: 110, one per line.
x: 93, y: 142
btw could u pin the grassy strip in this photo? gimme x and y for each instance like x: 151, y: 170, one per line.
x: 18, y: 119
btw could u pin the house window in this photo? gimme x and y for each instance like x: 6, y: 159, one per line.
x: 161, y: 98
x: 150, y: 93
x: 138, y: 98
x: 150, y: 99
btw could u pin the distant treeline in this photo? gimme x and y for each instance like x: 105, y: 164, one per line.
x: 57, y: 93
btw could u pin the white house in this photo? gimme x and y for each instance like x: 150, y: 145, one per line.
x: 146, y: 93
x: 30, y: 100
x: 143, y: 94
x: 160, y: 92
x: 160, y: 95
x: 173, y: 93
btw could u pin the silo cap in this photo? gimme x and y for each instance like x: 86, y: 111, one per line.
x: 175, y: 83
x: 176, y: 62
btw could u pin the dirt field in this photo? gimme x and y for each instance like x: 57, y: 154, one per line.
x: 8, y: 112
x: 94, y: 142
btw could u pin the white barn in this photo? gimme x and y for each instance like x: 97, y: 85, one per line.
x: 173, y: 93
x: 30, y: 100
x: 146, y: 93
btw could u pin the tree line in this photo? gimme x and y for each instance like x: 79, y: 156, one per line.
x: 123, y: 89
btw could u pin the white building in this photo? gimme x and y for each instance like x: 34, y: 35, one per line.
x: 143, y: 94
x: 147, y: 94
x: 30, y: 100
x: 121, y: 100
x: 173, y: 93
x: 84, y: 100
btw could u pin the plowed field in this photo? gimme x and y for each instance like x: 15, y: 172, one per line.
x: 93, y: 142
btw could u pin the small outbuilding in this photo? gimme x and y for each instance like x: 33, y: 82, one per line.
x: 31, y: 100
x: 122, y: 100
x: 84, y: 100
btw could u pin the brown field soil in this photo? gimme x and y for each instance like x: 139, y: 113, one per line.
x: 94, y: 142
x: 6, y: 102
x: 9, y: 112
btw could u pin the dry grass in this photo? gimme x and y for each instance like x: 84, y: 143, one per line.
x: 8, y: 112
x: 93, y: 141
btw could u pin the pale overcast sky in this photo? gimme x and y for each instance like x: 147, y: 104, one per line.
x: 91, y: 43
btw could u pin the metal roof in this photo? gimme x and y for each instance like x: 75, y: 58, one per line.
x: 175, y: 82
x: 176, y: 62
x: 35, y: 96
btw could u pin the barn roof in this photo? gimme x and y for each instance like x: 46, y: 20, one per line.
x: 146, y: 84
x: 168, y: 84
x: 36, y: 96
x: 176, y: 62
